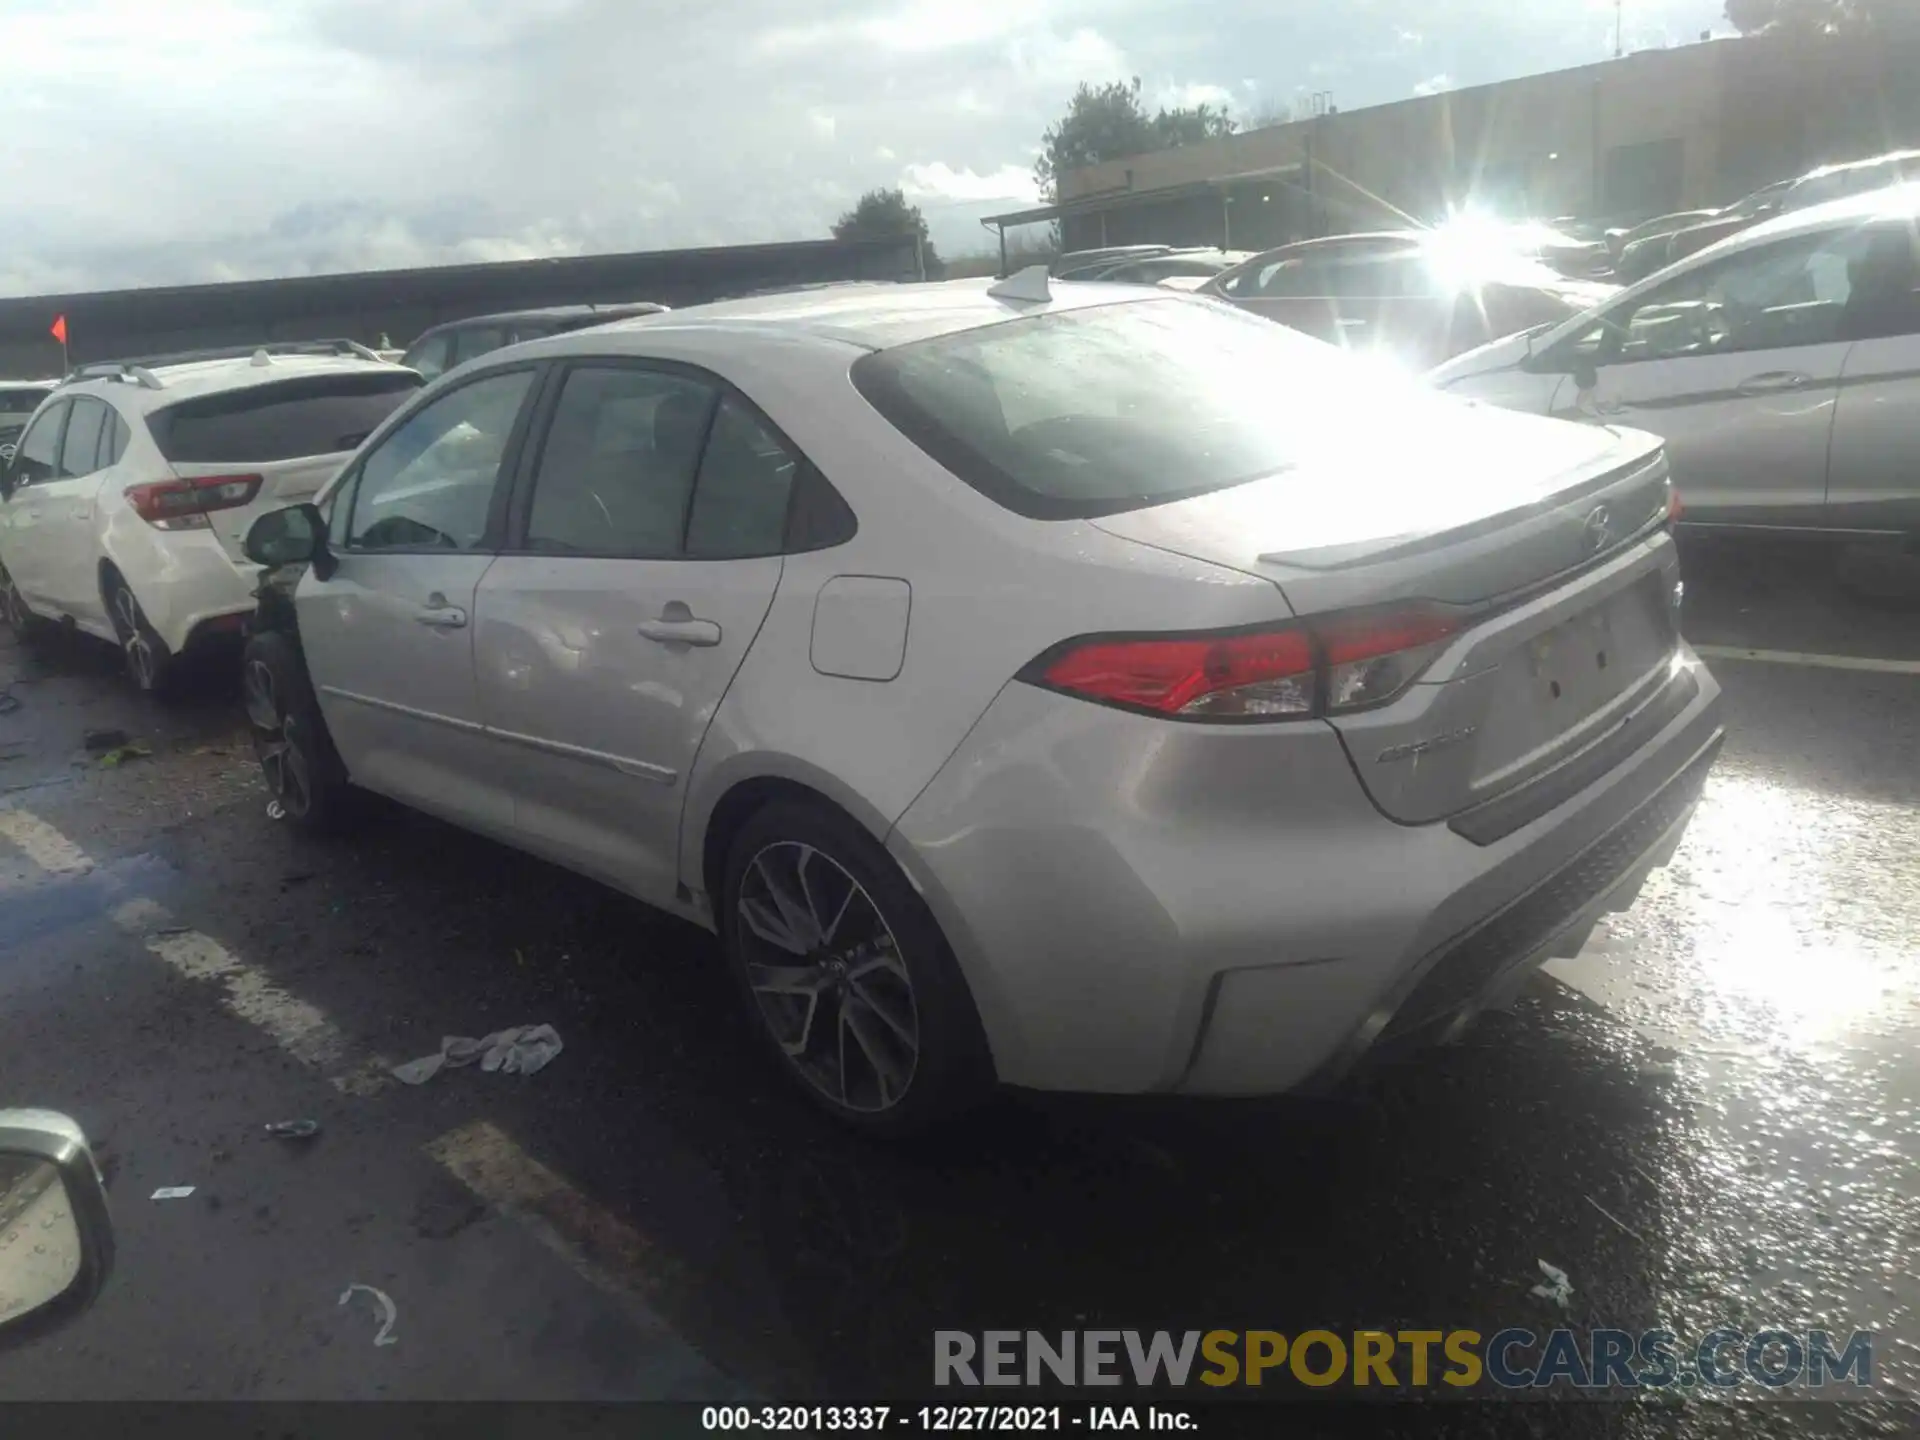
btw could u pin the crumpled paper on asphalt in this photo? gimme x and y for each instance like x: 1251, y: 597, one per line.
x: 521, y: 1050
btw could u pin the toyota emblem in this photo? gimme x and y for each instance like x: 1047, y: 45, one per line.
x: 1598, y: 528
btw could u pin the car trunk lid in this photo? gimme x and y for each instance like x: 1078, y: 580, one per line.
x: 1546, y: 542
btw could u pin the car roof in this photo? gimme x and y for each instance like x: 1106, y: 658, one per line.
x: 1888, y: 203
x: 186, y: 379
x: 869, y: 315
x: 1890, y: 157
x: 1894, y: 202
x: 545, y: 312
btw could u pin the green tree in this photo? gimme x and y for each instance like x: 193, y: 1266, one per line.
x: 884, y: 215
x: 1108, y: 122
x: 1823, y: 17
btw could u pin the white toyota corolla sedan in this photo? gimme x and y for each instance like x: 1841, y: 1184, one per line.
x: 1103, y: 690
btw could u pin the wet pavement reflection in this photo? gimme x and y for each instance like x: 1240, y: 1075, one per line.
x: 1708, y: 1118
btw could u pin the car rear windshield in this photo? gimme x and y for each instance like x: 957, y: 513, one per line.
x: 283, y: 420
x: 1117, y: 407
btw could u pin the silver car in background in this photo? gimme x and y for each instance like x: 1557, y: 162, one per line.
x: 1781, y: 366
x: 1097, y: 689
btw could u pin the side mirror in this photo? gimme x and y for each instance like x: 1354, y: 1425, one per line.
x: 294, y: 536
x: 1585, y: 374
x: 56, y: 1238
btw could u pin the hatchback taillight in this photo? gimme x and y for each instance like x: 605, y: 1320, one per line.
x: 183, y: 504
x: 1328, y: 666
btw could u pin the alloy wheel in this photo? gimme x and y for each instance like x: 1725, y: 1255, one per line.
x: 828, y: 978
x: 127, y: 619
x: 276, y: 741
x: 13, y: 605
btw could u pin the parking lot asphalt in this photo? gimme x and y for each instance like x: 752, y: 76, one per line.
x: 1708, y: 1118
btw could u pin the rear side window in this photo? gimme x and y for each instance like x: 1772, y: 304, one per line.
x: 1117, y: 407
x: 78, y: 456
x: 282, y: 420
x: 479, y: 340
x: 618, y: 465
x: 17, y: 405
x: 428, y: 356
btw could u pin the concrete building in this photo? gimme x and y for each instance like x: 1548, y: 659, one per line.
x: 106, y: 325
x: 1695, y: 125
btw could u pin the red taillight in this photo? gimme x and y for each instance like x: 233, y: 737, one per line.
x: 1343, y: 663
x: 1674, y: 508
x: 183, y: 504
x: 1193, y: 675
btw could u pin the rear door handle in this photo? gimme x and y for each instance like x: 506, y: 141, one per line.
x: 678, y: 625
x: 1773, y: 382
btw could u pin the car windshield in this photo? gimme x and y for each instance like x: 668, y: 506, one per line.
x: 1092, y: 411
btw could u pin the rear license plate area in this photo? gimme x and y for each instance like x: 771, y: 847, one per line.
x: 1580, y: 664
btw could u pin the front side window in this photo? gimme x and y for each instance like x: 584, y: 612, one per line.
x: 1797, y: 292
x: 617, y: 469
x: 37, y: 457
x: 82, y: 446
x: 430, y: 484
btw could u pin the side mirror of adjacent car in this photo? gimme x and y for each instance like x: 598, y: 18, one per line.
x: 56, y: 1237
x: 1585, y: 374
x: 296, y: 535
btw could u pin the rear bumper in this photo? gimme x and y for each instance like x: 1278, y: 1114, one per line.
x: 183, y: 579
x: 1216, y: 910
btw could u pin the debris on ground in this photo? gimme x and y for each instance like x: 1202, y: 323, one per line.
x: 389, y: 1312
x: 521, y: 1050
x: 293, y: 1129
x: 120, y: 754
x: 98, y: 740
x: 276, y: 811
x: 1558, y: 1288
x: 9, y: 702
x: 1619, y: 1224
x: 173, y: 1192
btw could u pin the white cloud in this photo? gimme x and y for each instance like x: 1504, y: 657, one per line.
x: 1183, y: 97
x: 302, y: 136
x: 940, y: 181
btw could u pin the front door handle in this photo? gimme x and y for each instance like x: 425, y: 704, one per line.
x: 1773, y: 382
x: 439, y: 614
x: 678, y: 625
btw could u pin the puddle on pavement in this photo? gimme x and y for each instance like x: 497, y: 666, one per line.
x: 35, y: 905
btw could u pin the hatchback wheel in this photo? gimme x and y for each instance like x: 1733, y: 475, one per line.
x: 297, y: 759
x: 846, y: 975
x: 24, y: 624
x: 150, y: 664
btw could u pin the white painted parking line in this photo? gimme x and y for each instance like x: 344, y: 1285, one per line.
x: 43, y: 844
x: 296, y: 1026
x: 1798, y: 657
x: 602, y: 1250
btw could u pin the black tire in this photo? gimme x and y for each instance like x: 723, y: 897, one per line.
x: 153, y: 668
x: 26, y: 627
x: 882, y: 994
x: 303, y: 771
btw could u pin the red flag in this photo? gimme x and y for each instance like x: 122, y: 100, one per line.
x: 59, y: 329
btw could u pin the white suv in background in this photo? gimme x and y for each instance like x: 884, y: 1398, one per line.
x: 132, y: 487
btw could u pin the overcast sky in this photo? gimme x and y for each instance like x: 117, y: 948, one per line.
x: 154, y: 142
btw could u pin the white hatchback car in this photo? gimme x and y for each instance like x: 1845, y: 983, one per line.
x: 131, y: 489
x: 1085, y: 686
x: 1779, y: 366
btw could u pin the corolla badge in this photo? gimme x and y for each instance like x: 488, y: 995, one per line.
x: 1426, y: 747
x: 1598, y: 529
